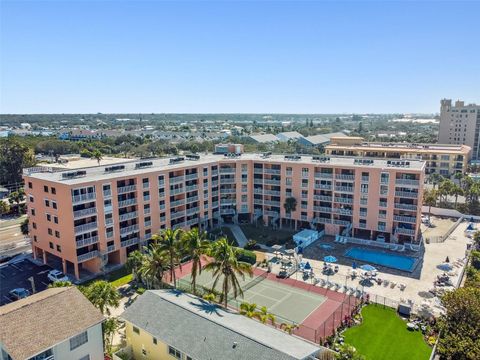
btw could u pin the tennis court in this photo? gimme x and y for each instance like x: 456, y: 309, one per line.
x: 287, y: 303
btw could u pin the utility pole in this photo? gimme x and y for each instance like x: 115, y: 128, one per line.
x: 32, y: 281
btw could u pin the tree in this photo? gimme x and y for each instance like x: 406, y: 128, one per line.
x: 476, y: 239
x: 289, y: 328
x: 196, y: 246
x: 263, y: 315
x: 460, y: 325
x: 348, y: 352
x: 445, y: 189
x: 290, y: 205
x: 247, y: 309
x: 170, y: 243
x: 225, y: 268
x: 153, y: 266
x: 102, y: 295
x: 16, y: 197
x: 97, y: 155
x: 429, y: 199
x: 110, y: 326
x: 435, y: 179
x: 134, y: 262
x: 24, y: 226
x: 4, y: 207
x: 456, y: 190
x: 14, y: 156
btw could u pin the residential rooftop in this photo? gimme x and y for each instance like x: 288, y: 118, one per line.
x: 40, y: 321
x: 206, y: 331
x: 447, y: 148
x: 131, y: 167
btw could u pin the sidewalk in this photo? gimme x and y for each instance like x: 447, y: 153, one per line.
x: 241, y: 238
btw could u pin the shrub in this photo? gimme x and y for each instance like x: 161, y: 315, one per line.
x: 251, y: 245
x: 476, y: 259
x: 140, y: 290
x: 247, y: 256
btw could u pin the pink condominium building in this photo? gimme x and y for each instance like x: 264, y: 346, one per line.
x: 87, y: 220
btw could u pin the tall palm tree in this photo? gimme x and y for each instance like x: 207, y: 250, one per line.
x: 225, y: 267
x: 456, y: 190
x: 102, y: 295
x: 97, y: 155
x: 429, y: 199
x: 134, y: 262
x: 170, y: 243
x: 153, y: 266
x: 290, y: 205
x: 196, y: 246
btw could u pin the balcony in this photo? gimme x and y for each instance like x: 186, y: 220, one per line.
x: 109, y: 221
x: 271, y: 213
x: 381, y: 228
x: 109, y: 234
x: 365, y: 178
x: 322, y: 220
x: 128, y: 216
x: 128, y: 202
x: 227, y: 211
x: 87, y: 241
x: 84, y: 212
x: 322, y: 186
x: 227, y: 170
x: 407, y: 182
x: 215, y: 193
x: 406, y: 219
x: 130, y: 242
x: 83, y: 197
x: 85, y: 227
x: 177, y: 191
x: 404, y: 231
x: 107, y: 193
x: 272, y: 171
x: 406, y: 194
x: 146, y: 185
x: 87, y: 256
x: 342, y: 211
x: 177, y: 215
x: 146, y: 198
x: 192, y: 211
x: 191, y: 177
x: 191, y: 222
x: 382, y: 204
x: 110, y: 248
x: 320, y: 175
x: 214, y: 172
x: 363, y: 214
x: 177, y: 179
x: 345, y: 177
x: 341, y: 222
x: 342, y: 200
x: 271, y: 192
x: 126, y: 189
x: 214, y: 204
x: 161, y: 183
x: 347, y: 189
x: 129, y: 229
x: 148, y: 223
x: 258, y: 170
x: 271, y: 203
x: 191, y: 188
x: 227, y: 180
x: 362, y: 226
x: 227, y: 201
x: 214, y: 183
x: 177, y: 203
x: 271, y: 182
x: 179, y: 225
x: 228, y: 191
x: 322, y: 209
x: 410, y: 207
x: 322, y: 198
x: 191, y: 199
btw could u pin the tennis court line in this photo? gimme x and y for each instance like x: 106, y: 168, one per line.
x: 302, y: 292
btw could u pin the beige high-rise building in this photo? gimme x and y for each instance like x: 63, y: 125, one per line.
x: 460, y: 124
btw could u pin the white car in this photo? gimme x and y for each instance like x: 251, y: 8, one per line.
x: 56, y: 275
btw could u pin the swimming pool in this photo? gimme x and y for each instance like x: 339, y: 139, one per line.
x: 394, y: 261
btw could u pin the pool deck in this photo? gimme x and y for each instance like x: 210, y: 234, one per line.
x: 417, y: 283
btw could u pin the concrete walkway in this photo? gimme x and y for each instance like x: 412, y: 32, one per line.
x: 238, y: 234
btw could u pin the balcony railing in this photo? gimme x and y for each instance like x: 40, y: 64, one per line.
x: 322, y: 220
x: 322, y: 209
x: 191, y: 199
x: 191, y: 187
x: 163, y: 218
x: 177, y: 179
x: 322, y: 198
x: 214, y: 204
x: 410, y: 207
x: 404, y: 231
x: 271, y: 192
x: 271, y: 182
x: 228, y: 191
x: 342, y: 211
x: 87, y: 256
x: 271, y: 202
x: 341, y: 222
x: 192, y: 210
x: 214, y: 183
x: 272, y: 171
x: 345, y: 177
x: 227, y: 180
x: 407, y: 182
x: 321, y: 175
x: 110, y: 248
x: 192, y: 222
x: 342, y: 200
x: 177, y: 203
x: 191, y: 176
x: 177, y: 215
x: 84, y: 212
x: 348, y: 189
x: 323, y: 186
x: 85, y: 227
x: 227, y: 170
x: 362, y: 226
x: 407, y: 219
x: 128, y: 202
x: 83, y: 197
x: 382, y: 204
x: 129, y: 229
x: 148, y: 223
x: 406, y: 194
x: 177, y: 191
x: 129, y: 242
x: 129, y: 215
x: 126, y: 189
x: 365, y: 178
x: 107, y: 193
x: 271, y: 213
x: 87, y: 241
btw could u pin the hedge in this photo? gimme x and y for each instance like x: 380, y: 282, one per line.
x: 247, y: 256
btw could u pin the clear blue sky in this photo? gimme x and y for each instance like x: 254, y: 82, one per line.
x: 280, y: 57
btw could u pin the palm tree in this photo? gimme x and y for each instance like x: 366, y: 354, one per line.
x: 110, y: 326
x: 196, y: 246
x: 170, y: 243
x: 289, y: 328
x: 429, y: 199
x: 263, y: 315
x: 225, y: 267
x: 290, y: 205
x: 102, y: 295
x: 153, y: 266
x: 97, y: 155
x: 134, y: 262
x: 247, y: 309
x: 435, y: 179
x: 456, y: 190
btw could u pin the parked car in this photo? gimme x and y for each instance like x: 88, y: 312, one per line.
x: 18, y: 293
x: 381, y: 238
x: 56, y: 275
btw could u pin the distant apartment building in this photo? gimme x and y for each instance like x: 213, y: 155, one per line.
x: 445, y: 160
x: 460, y: 124
x: 88, y: 220
x: 228, y: 149
x: 163, y: 325
x: 55, y: 324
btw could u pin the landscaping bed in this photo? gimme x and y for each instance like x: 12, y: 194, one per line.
x: 267, y: 236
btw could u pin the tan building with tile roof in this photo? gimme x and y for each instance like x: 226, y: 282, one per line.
x: 58, y: 323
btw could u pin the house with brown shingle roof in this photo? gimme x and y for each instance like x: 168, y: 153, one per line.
x: 58, y: 323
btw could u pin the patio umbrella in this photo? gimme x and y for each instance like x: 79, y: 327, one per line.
x: 330, y: 259
x: 368, y: 267
x: 307, y: 266
x: 445, y: 266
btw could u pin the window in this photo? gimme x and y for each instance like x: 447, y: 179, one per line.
x: 57, y: 234
x: 154, y: 340
x: 53, y: 190
x: 59, y: 248
x: 34, y: 225
x: 35, y: 238
x: 45, y: 188
x: 78, y: 340
x: 174, y: 352
x: 50, y: 231
x: 30, y: 186
x: 86, y: 357
x: 136, y: 330
x: 30, y: 198
x: 33, y: 212
x: 54, y: 204
x: 49, y: 217
x: 47, y: 203
x: 51, y: 245
x: 55, y: 219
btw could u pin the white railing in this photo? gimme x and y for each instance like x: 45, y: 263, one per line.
x: 408, y: 219
x: 405, y: 207
x: 177, y: 191
x: 129, y: 229
x: 191, y: 187
x: 404, y: 231
x: 125, y: 189
x: 342, y: 211
x: 348, y: 189
x: 407, y: 194
x: 192, y: 211
x: 341, y: 222
x: 344, y: 200
x: 176, y: 215
x: 192, y: 199
x: 127, y: 202
x: 407, y: 182
x: 323, y: 175
x: 322, y: 198
x: 85, y: 227
x: 345, y: 177
x: 322, y: 209
x: 83, y: 197
x: 129, y: 215
x: 321, y: 220
x: 87, y: 241
x: 177, y: 202
x: 129, y: 242
x: 110, y: 248
x: 87, y: 256
x: 84, y: 212
x: 176, y: 179
x: 227, y: 170
x: 191, y: 176
x: 271, y: 182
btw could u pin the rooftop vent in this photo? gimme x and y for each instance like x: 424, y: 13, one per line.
x: 74, y: 174
x: 232, y: 155
x: 266, y: 155
x: 192, y: 157
x: 321, y: 158
x: 363, y: 161
x: 143, y: 164
x: 293, y: 157
x: 176, y: 160
x: 114, y: 168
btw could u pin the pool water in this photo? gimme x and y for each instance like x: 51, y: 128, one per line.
x: 394, y: 261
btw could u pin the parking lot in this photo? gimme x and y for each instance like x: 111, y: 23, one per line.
x: 16, y: 275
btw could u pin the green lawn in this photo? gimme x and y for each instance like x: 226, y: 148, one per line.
x: 267, y: 236
x: 384, y: 335
x: 119, y: 277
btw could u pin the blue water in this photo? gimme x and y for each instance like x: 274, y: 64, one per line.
x: 400, y: 262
